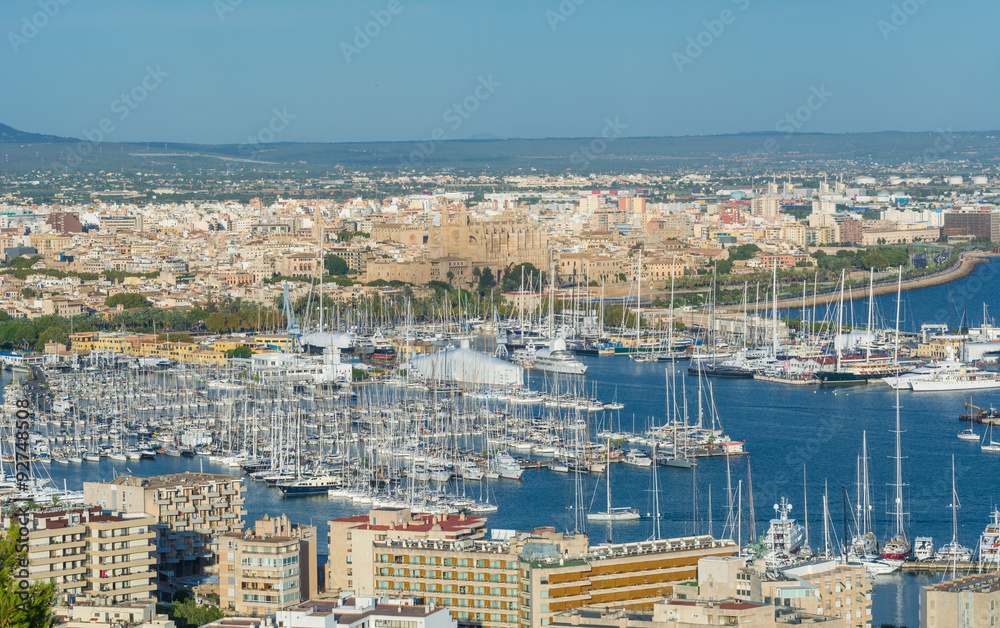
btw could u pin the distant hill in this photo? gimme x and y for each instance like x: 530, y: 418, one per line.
x: 10, y: 135
x: 764, y: 153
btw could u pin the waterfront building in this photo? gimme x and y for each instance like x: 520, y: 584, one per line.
x: 964, y: 602
x: 824, y: 588
x: 633, y: 576
x: 517, y: 579
x: 190, y: 511
x: 351, y: 541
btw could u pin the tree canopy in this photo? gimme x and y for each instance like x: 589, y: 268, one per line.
x: 744, y: 251
x: 512, y: 278
x: 128, y: 300
x: 22, y: 607
x: 335, y: 265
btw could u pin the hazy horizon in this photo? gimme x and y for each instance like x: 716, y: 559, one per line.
x: 223, y: 71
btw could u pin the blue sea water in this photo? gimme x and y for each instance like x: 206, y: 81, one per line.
x: 789, y: 431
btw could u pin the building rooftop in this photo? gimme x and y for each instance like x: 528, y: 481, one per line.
x: 969, y: 584
x: 173, y: 479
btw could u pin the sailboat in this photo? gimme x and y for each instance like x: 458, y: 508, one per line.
x: 953, y: 551
x: 621, y: 513
x: 863, y: 543
x: 968, y: 433
x: 988, y: 443
x: 898, y: 548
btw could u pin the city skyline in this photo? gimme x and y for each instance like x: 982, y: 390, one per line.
x: 224, y: 71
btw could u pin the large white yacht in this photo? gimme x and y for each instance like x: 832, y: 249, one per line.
x: 965, y: 379
x: 930, y: 371
x: 557, y: 359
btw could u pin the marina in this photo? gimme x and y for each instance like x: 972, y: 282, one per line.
x: 644, y: 437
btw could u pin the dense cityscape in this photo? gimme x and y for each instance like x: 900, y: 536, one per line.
x: 396, y: 314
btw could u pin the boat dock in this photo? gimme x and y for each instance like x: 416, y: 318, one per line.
x: 937, y: 566
x: 811, y: 381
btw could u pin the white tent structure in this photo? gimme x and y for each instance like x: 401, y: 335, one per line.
x: 327, y: 340
x: 467, y: 366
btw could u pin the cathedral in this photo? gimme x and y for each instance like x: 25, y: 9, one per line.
x: 460, y: 245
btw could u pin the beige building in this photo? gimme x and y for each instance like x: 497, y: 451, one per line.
x: 137, y: 614
x: 967, y: 602
x: 259, y: 573
x: 629, y: 575
x: 691, y: 614
x: 351, y: 541
x: 190, y: 511
x: 825, y: 588
x: 91, y: 556
x: 308, y: 567
x: 518, y: 581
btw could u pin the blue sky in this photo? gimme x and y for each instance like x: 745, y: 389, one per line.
x: 556, y: 68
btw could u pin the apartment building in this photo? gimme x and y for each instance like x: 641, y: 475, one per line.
x: 351, y: 541
x: 90, y: 555
x: 306, y: 534
x: 627, y: 575
x: 516, y: 580
x: 258, y: 574
x: 826, y: 588
x: 823, y: 588
x: 190, y: 510
x: 964, y: 602
x: 122, y: 223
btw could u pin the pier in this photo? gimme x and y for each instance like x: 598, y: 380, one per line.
x: 938, y: 566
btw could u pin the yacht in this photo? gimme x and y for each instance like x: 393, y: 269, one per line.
x: 952, y: 551
x: 785, y: 536
x: 904, y: 381
x: 470, y: 471
x: 923, y: 548
x: 964, y: 379
x: 507, y: 467
x: 989, y: 544
x: 638, y: 458
x: 557, y: 359
x: 310, y: 486
x: 874, y: 564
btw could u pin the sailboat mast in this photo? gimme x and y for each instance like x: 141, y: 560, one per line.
x: 774, y: 306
